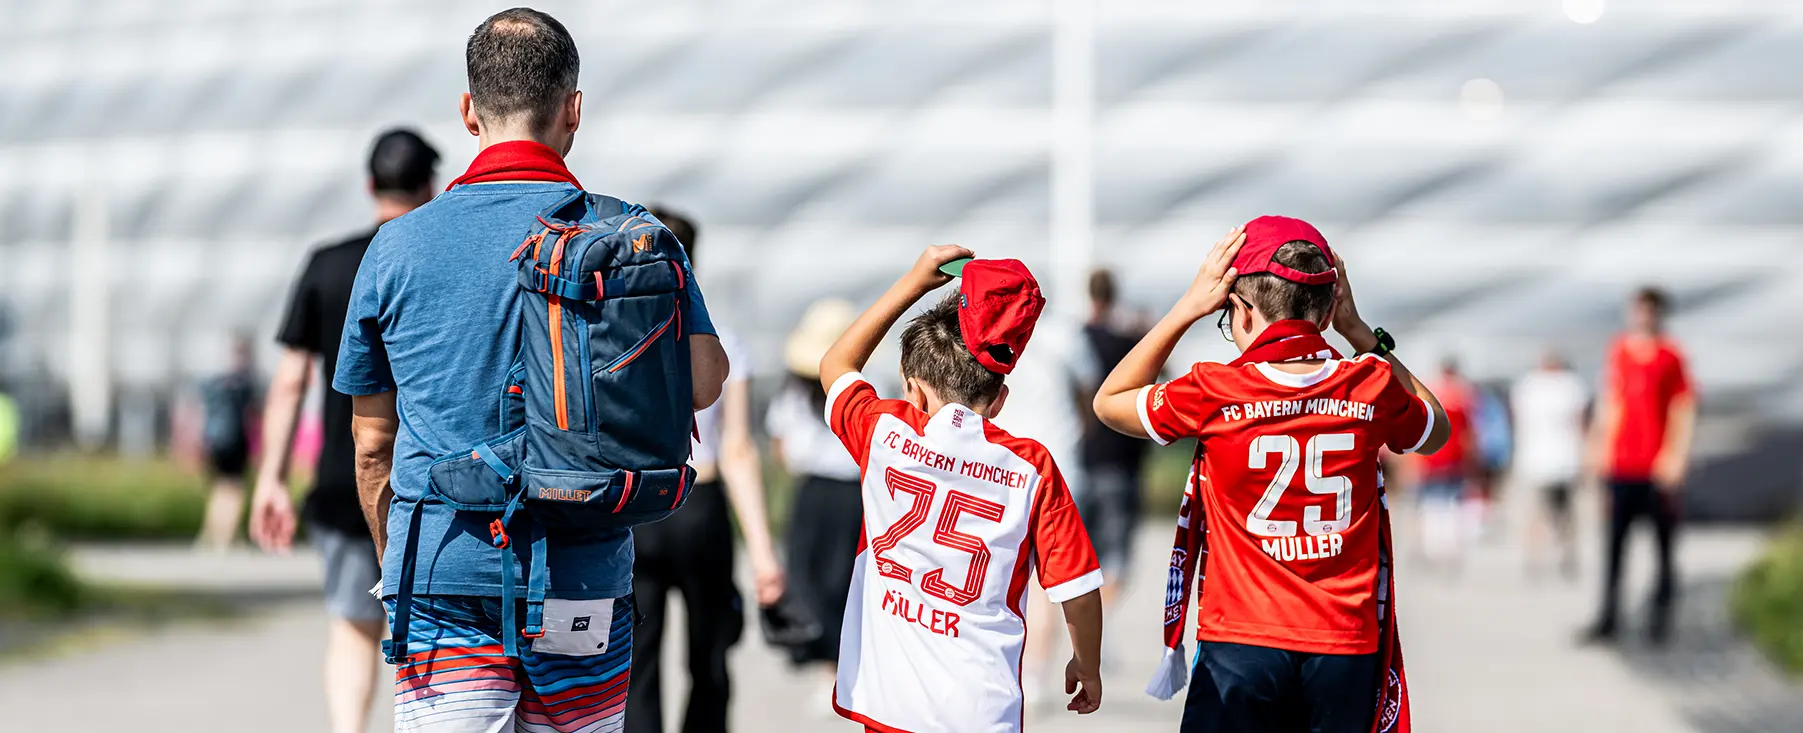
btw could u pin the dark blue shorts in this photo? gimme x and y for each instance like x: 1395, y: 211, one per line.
x: 1237, y: 688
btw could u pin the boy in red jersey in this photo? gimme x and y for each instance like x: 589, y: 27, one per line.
x: 1294, y: 634
x: 957, y: 513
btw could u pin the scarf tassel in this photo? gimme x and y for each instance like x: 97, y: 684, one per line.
x: 1171, y: 676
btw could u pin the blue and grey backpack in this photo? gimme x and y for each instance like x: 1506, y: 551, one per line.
x: 597, y: 410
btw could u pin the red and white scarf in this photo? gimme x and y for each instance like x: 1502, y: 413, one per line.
x: 517, y: 160
x: 1281, y: 341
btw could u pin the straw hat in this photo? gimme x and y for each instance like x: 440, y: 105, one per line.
x: 821, y: 325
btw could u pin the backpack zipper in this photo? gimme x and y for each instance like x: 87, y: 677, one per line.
x: 554, y: 315
x: 639, y: 349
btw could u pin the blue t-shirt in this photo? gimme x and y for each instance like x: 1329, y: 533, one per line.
x: 434, y: 315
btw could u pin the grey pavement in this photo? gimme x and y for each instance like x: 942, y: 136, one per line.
x: 1489, y: 650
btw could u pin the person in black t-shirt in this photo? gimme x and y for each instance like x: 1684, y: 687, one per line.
x: 401, y: 171
x: 1110, y: 503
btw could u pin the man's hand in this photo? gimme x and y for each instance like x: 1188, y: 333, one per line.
x: 1087, y: 686
x: 272, y: 522
x: 1346, y: 318
x: 925, y: 275
x: 1668, y: 472
x: 1208, y: 292
x: 771, y: 582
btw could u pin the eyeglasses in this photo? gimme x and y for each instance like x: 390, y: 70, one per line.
x: 1225, y: 322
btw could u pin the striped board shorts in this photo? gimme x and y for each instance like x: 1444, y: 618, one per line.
x: 457, y: 679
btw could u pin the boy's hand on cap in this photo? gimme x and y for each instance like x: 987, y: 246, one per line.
x: 925, y: 273
x: 1346, y: 318
x: 1215, y: 280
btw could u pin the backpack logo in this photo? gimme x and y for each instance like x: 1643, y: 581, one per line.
x: 642, y: 243
x: 580, y: 624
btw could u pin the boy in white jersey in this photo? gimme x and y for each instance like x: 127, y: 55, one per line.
x: 957, y: 512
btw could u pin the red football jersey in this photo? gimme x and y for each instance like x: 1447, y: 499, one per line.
x: 1644, y: 386
x: 1290, y: 486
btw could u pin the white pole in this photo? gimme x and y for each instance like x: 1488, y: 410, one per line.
x: 90, y: 366
x: 1073, y: 151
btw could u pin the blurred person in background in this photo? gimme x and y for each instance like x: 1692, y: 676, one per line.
x: 1548, y: 406
x: 1640, y: 447
x: 228, y: 404
x: 1110, y: 498
x: 1048, y: 398
x: 1444, y: 479
x: 692, y: 551
x: 402, y: 168
x: 826, y: 515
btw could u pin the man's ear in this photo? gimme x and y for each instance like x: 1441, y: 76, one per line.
x: 572, y: 119
x: 467, y: 108
x: 994, y: 408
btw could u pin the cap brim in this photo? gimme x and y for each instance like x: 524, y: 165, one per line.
x: 955, y: 268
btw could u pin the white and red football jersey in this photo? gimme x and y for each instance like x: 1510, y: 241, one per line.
x: 956, y: 513
x: 1291, y: 489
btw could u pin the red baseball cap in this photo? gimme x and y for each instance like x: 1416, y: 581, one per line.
x: 1000, y: 303
x: 1267, y: 234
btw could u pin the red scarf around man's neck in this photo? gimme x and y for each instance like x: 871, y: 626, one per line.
x: 517, y: 160
x: 1280, y: 341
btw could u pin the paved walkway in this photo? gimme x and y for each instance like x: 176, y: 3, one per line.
x: 1488, y: 650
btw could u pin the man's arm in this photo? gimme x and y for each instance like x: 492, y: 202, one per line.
x: 853, y: 349
x: 272, y: 521
x: 1117, y: 402
x: 743, y: 473
x: 374, y: 423
x: 708, y: 367
x: 1083, y: 676
x: 1605, y: 420
x: 1673, y: 460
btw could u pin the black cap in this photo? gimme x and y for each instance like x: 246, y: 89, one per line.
x: 401, y: 161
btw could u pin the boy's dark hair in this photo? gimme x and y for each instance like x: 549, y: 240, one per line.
x: 1653, y: 296
x: 1282, y: 300
x: 401, y: 162
x: 933, y: 351
x: 521, y: 61
x: 679, y: 225
x: 1101, y: 286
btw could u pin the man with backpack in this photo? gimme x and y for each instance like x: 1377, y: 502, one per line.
x: 524, y: 360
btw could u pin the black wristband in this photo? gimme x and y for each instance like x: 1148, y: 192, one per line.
x: 1385, y: 342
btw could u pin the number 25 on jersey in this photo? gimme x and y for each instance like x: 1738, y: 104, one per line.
x: 1288, y: 451
x: 921, y: 494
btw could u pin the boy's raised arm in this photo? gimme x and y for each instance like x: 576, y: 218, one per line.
x: 1348, y: 323
x: 854, y: 347
x: 1116, y: 403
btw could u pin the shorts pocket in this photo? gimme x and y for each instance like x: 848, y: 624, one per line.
x: 576, y: 628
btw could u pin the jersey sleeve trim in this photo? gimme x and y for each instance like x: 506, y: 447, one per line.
x: 844, y: 382
x: 1429, y: 430
x: 1143, y: 405
x: 1075, y: 587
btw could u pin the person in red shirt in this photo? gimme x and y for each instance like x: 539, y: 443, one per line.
x: 1444, y: 480
x: 1640, y: 444
x: 1288, y: 477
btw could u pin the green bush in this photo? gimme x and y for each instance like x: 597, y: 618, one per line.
x: 34, y: 582
x: 1768, y: 600
x: 75, y: 496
